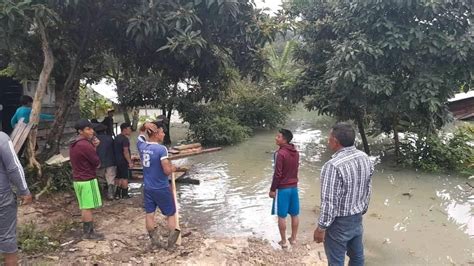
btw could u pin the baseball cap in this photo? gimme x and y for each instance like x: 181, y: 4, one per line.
x: 82, y: 123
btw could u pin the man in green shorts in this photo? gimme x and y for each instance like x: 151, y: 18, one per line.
x: 85, y: 161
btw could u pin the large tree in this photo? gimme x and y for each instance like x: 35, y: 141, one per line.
x: 191, y: 43
x: 36, y: 19
x: 389, y: 62
x: 81, y: 42
x: 78, y: 42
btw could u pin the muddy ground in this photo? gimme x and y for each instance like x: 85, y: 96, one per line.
x: 126, y: 241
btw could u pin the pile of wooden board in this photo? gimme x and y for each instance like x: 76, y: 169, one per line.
x: 183, y: 151
x: 186, y: 149
x: 20, y: 134
x: 177, y: 152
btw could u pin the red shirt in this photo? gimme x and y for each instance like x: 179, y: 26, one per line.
x: 286, y: 161
x: 84, y: 160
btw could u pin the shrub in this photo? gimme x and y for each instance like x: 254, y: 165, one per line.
x: 232, y: 119
x: 258, y: 108
x: 451, y: 152
x: 60, y: 174
x: 220, y: 131
x: 32, y: 240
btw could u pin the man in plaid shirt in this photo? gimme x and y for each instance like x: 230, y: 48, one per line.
x: 345, y: 195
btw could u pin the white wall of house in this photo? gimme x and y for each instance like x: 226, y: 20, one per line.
x: 29, y: 88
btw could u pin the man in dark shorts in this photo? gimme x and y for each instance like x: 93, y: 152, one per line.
x: 11, y: 173
x: 123, y: 160
x: 157, y: 193
x: 284, y: 188
x: 84, y: 161
x: 105, y: 150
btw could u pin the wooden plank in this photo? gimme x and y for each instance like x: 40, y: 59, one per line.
x: 18, y: 128
x: 23, y: 136
x: 187, y: 146
x: 20, y: 134
x: 190, y: 151
x: 180, y: 156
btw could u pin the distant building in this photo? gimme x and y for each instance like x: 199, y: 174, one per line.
x: 462, y: 106
x: 10, y: 92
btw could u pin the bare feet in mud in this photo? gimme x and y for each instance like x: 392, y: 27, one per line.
x: 292, y: 241
x: 283, y: 244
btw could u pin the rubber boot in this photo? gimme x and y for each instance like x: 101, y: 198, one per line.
x: 86, y: 229
x: 173, y: 237
x: 155, y: 238
x: 90, y: 233
x: 118, y: 193
x: 125, y: 194
x: 110, y: 192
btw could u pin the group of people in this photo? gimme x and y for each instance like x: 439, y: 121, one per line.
x: 85, y: 155
x: 97, y: 154
x: 115, y: 159
x: 345, y: 194
x: 345, y: 186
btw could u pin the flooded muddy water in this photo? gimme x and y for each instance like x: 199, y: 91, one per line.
x: 413, y: 218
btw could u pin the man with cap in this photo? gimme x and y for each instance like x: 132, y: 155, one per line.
x: 109, y: 122
x: 11, y: 173
x: 85, y: 161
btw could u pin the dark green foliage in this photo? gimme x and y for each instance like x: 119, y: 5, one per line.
x: 218, y: 130
x: 61, y: 178
x: 386, y: 62
x: 31, y: 240
x: 232, y: 119
x: 441, y: 153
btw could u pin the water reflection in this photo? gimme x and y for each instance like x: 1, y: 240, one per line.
x: 457, y: 210
x: 231, y: 204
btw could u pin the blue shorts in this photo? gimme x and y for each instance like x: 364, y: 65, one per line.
x: 286, y: 202
x: 161, y: 198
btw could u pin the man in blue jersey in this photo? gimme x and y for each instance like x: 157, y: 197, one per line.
x: 157, y: 193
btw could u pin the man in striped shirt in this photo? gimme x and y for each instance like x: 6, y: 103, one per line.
x: 345, y: 195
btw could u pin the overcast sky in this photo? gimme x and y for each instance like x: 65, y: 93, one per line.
x: 274, y: 5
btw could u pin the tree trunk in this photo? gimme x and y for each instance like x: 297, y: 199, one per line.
x: 67, y: 98
x: 122, y: 89
x: 65, y: 102
x: 396, y: 140
x: 168, y: 111
x: 167, y: 140
x: 126, y: 115
x: 135, y: 118
x: 360, y: 125
x: 41, y: 87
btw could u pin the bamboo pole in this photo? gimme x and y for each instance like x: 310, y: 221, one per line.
x: 180, y: 156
